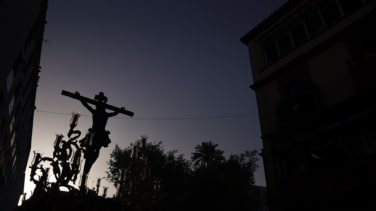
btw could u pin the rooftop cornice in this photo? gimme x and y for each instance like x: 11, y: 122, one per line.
x: 268, y: 21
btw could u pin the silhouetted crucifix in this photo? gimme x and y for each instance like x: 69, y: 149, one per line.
x: 98, y: 135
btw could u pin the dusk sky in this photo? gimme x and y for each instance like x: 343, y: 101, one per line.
x: 177, y: 64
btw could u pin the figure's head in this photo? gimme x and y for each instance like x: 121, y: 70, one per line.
x: 100, y: 97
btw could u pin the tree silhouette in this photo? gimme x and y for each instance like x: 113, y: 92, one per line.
x: 119, y: 161
x: 206, y: 155
x: 169, y: 171
x: 246, y: 161
x: 238, y: 178
x: 219, y: 183
x: 135, y: 171
x: 175, y: 181
x: 214, y: 182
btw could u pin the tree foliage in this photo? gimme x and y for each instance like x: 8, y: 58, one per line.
x: 119, y: 159
x: 208, y: 180
x: 206, y: 155
x: 220, y: 183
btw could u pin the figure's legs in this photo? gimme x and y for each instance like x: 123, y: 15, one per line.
x: 91, y: 157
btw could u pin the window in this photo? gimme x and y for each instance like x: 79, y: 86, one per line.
x: 11, y: 105
x: 12, y: 139
x: 10, y: 79
x: 299, y: 34
x: 349, y: 6
x: 12, y: 124
x: 331, y: 13
x: 14, y: 149
x: 14, y: 162
x: 271, y: 52
x: 368, y: 48
x: 284, y: 44
x: 314, y: 24
x: 298, y: 92
x: 295, y: 89
x: 368, y: 143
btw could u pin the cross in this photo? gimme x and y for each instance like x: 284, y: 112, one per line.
x: 94, y: 102
x: 97, y: 136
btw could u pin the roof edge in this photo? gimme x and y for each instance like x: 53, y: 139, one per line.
x: 282, y: 10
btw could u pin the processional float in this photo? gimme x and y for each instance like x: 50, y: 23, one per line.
x: 63, y: 168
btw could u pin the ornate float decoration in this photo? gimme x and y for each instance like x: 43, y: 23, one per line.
x: 63, y: 168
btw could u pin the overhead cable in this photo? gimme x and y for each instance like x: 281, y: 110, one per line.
x: 239, y: 115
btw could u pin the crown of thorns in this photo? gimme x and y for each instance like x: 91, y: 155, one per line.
x: 100, y: 97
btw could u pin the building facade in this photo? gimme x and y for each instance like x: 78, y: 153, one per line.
x: 21, y: 25
x: 314, y: 70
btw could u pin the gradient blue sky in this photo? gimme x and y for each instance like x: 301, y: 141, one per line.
x: 167, y: 61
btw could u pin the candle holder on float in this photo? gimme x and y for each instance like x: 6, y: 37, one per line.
x: 61, y: 170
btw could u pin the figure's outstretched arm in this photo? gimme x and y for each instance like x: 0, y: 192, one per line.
x: 87, y: 106
x: 111, y: 114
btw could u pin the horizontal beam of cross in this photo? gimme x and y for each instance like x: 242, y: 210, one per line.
x: 91, y: 101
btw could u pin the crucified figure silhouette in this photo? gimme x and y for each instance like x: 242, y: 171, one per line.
x: 98, y: 136
x: 100, y: 118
